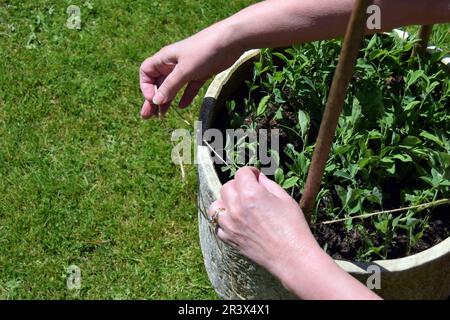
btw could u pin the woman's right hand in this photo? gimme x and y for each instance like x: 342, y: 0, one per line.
x: 263, y: 221
x: 258, y: 218
x: 190, y: 61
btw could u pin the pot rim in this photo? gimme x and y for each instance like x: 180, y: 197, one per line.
x: 390, y: 265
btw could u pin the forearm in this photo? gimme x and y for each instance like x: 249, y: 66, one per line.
x: 318, y: 277
x: 277, y: 23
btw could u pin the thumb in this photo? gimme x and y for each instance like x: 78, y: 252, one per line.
x: 273, y: 187
x: 170, y: 86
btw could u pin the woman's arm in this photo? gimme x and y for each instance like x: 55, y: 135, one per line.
x: 275, y: 23
x: 318, y: 277
x: 270, y: 23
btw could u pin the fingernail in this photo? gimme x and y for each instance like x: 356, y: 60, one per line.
x: 158, y: 99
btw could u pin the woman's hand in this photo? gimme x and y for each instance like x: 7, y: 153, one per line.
x: 264, y: 24
x: 262, y: 221
x: 191, y: 61
x: 266, y: 225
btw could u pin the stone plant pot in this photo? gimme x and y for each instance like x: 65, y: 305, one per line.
x: 425, y: 275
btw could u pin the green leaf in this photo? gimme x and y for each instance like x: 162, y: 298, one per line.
x: 349, y: 196
x: 308, y: 82
x: 356, y: 208
x: 303, y: 121
x: 403, y: 157
x: 395, y: 138
x: 387, y: 161
x: 275, y: 156
x: 231, y: 105
x: 356, y: 111
x: 428, y: 180
x: 279, y: 175
x: 363, y: 163
x: 412, y: 77
x: 388, y: 119
x: 436, y: 175
x: 342, y: 149
x: 375, y: 196
x: 282, y: 57
x: 342, y: 174
x: 330, y: 167
x: 445, y: 183
x: 411, y: 105
x: 262, y: 106
x: 372, y: 42
x: 445, y: 159
x: 411, y: 141
x: 375, y: 134
x: 382, y: 226
x: 290, y: 182
x: 433, y: 138
x: 391, y: 169
x: 395, y: 222
x: 364, y: 64
x: 342, y: 193
x: 389, y: 165
x: 432, y: 86
x: 279, y: 114
x: 353, y: 169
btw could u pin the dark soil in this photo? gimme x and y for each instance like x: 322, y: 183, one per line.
x: 344, y: 245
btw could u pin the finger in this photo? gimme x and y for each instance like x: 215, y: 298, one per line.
x: 190, y: 92
x: 229, y: 195
x: 147, y: 79
x: 273, y: 187
x: 148, y: 89
x: 222, y: 217
x: 226, y: 237
x: 152, y: 72
x: 218, y: 204
x: 247, y: 179
x: 150, y: 67
x: 173, y: 83
x: 148, y: 110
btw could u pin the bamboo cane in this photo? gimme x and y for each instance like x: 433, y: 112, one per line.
x: 419, y: 207
x: 424, y: 36
x: 341, y: 79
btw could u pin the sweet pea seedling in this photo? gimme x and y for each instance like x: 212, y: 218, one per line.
x: 392, y: 144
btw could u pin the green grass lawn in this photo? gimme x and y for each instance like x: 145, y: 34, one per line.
x: 83, y: 180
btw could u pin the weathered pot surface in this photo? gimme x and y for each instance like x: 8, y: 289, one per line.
x: 424, y: 275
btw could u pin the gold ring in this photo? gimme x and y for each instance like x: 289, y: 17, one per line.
x: 214, y: 218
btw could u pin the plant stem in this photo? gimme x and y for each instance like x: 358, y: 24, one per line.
x: 219, y: 157
x: 182, y: 118
x: 290, y: 129
x: 388, y: 239
x: 343, y: 74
